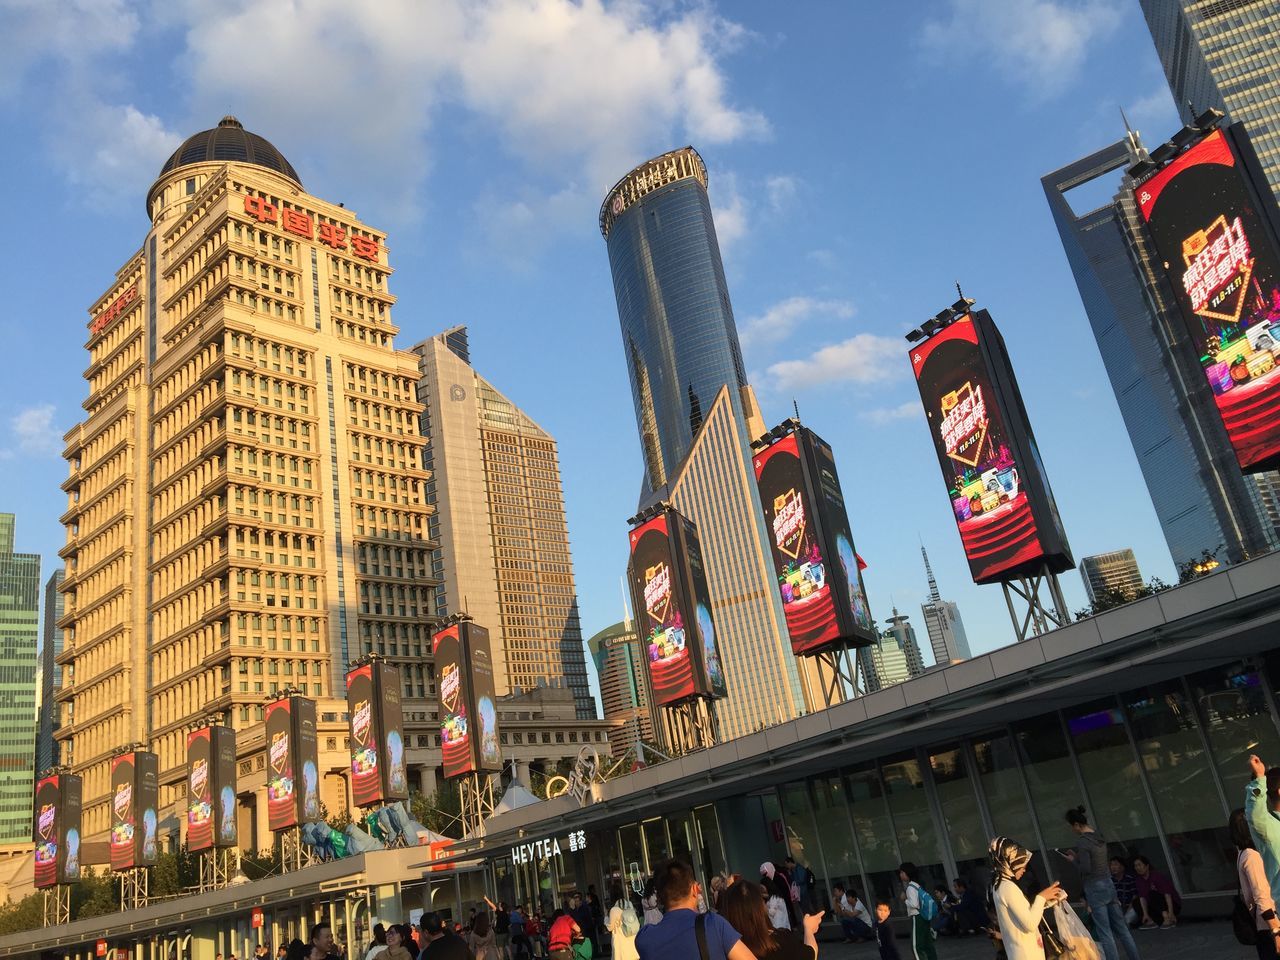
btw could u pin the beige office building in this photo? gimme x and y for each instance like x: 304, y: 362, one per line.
x: 503, y: 541
x: 246, y: 507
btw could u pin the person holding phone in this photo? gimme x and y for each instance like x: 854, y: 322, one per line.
x: 1018, y: 919
x: 1090, y: 857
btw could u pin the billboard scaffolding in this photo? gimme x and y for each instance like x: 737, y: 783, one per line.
x: 1000, y: 497
x: 376, y: 724
x: 211, y: 802
x: 56, y: 834
x: 815, y: 561
x: 293, y: 773
x: 676, y: 625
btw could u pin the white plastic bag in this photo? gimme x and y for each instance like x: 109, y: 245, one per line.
x: 1074, y: 934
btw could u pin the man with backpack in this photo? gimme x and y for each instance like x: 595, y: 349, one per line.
x: 922, y: 909
x: 683, y: 933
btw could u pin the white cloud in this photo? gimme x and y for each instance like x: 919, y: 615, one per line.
x: 780, y: 190
x: 886, y: 415
x: 862, y: 359
x: 34, y: 432
x: 1039, y: 43
x: 780, y: 319
x: 728, y: 210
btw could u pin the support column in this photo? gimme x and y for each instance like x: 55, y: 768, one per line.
x: 427, y: 784
x: 522, y: 774
x: 261, y: 824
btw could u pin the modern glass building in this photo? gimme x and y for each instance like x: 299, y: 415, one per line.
x: 1134, y: 319
x: 677, y: 324
x: 1104, y: 572
x: 47, y: 752
x: 1224, y: 54
x: 19, y: 635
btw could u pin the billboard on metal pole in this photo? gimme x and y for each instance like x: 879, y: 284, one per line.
x: 293, y: 766
x: 135, y: 795
x: 57, y: 830
x: 814, y: 557
x: 376, y: 722
x: 211, y: 788
x: 1211, y: 216
x: 469, y: 740
x: 1000, y: 497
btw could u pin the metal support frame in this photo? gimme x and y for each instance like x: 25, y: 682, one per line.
x: 691, y: 725
x: 135, y: 888
x: 839, y: 670
x: 57, y: 905
x: 476, y: 792
x: 294, y: 854
x: 1036, y: 618
x: 216, y: 866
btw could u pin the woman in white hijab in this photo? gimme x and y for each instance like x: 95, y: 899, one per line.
x: 1019, y: 920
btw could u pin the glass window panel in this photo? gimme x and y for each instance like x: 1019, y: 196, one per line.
x: 913, y: 821
x: 1119, y: 808
x: 1046, y: 763
x: 874, y: 830
x: 830, y: 808
x: 712, y: 850
x: 679, y: 828
x: 655, y: 840
x: 802, y: 835
x: 1177, y: 767
x: 633, y: 864
x: 959, y: 807
x: 1233, y: 710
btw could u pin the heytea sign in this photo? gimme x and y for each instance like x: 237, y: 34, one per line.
x: 548, y: 848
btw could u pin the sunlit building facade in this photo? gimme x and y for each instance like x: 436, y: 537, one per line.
x: 245, y: 503
x: 624, y: 692
x: 502, y: 539
x: 1113, y: 572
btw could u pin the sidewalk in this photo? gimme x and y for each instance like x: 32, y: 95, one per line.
x: 1210, y: 940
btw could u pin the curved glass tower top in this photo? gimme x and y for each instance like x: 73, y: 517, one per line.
x: 673, y: 304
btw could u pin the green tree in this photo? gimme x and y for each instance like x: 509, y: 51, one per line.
x: 440, y: 811
x: 24, y: 914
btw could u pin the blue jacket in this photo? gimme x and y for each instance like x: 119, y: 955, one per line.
x: 1265, y: 827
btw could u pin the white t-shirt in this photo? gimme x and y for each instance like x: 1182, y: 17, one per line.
x: 860, y: 910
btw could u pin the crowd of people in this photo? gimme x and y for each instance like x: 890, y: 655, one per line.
x: 776, y: 915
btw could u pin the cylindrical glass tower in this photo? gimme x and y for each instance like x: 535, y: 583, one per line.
x: 673, y: 303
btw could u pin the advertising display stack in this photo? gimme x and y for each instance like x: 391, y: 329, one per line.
x: 1000, y: 497
x: 817, y: 565
x: 135, y: 797
x: 378, y: 773
x: 56, y: 833
x: 470, y: 745
x: 677, y: 630
x: 1212, y: 219
x: 211, y: 802
x: 293, y: 773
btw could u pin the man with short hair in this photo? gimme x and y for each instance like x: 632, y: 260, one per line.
x: 442, y: 943
x: 802, y: 879
x: 854, y: 917
x: 322, y: 940
x: 682, y: 930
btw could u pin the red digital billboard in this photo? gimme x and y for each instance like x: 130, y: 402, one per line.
x: 1003, y: 507
x: 469, y: 739
x: 293, y: 766
x: 673, y: 610
x: 135, y: 795
x: 819, y: 576
x: 376, y: 725
x: 57, y: 830
x: 211, y: 788
x: 1208, y: 213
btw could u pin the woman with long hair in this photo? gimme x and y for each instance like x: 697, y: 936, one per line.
x: 1019, y: 920
x: 1255, y: 889
x: 743, y: 905
x: 481, y: 940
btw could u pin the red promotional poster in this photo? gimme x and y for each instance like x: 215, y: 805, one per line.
x: 655, y: 585
x: 998, y: 496
x: 48, y: 848
x: 123, y: 817
x: 199, y: 791
x: 455, y: 719
x: 282, y: 803
x: 366, y: 777
x: 1219, y: 249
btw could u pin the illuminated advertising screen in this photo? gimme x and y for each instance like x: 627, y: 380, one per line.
x: 135, y: 795
x: 455, y: 711
x: 660, y: 615
x: 57, y: 830
x: 488, y: 752
x: 1220, y: 252
x: 1001, y: 501
x: 708, y: 665
x: 673, y: 609
x: 293, y: 768
x: 859, y: 628
x: 211, y: 788
x: 376, y: 724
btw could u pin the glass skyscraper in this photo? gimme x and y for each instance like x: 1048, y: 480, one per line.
x: 677, y: 324
x: 1224, y: 54
x: 47, y: 753
x: 19, y: 632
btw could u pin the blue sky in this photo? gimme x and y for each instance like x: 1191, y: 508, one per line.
x: 864, y: 157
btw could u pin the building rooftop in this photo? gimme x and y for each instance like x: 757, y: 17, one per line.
x: 229, y: 142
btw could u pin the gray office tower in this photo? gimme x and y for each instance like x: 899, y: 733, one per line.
x: 947, y: 638
x: 1224, y: 54
x: 1201, y: 498
x: 50, y: 675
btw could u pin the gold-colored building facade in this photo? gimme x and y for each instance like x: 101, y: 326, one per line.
x: 246, y: 508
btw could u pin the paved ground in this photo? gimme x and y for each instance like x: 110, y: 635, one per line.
x: 1188, y: 941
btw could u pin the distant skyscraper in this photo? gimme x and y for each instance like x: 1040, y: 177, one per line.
x: 19, y: 634
x: 624, y: 694
x: 1171, y: 419
x: 1223, y: 54
x: 942, y: 620
x: 50, y: 674
x: 500, y: 524
x: 896, y: 657
x: 686, y: 369
x: 1105, y: 572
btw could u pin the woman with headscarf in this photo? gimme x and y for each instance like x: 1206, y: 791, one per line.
x: 1019, y: 920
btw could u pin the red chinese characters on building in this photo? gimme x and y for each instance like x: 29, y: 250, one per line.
x: 302, y: 225
x: 118, y: 306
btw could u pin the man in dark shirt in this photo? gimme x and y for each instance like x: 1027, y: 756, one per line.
x: 442, y: 943
x: 322, y: 939
x: 675, y: 937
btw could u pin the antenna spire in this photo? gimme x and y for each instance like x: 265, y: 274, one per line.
x: 795, y: 405
x: 934, y: 595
